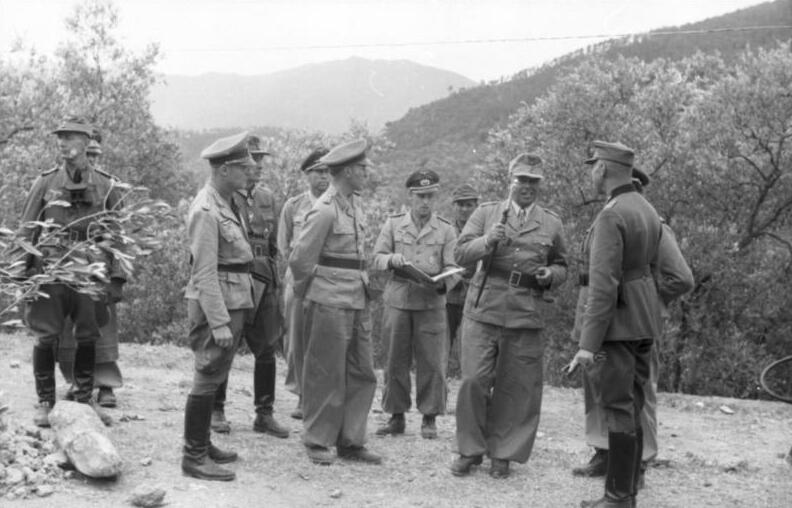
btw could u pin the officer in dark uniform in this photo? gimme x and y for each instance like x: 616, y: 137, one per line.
x: 329, y: 267
x: 500, y: 398
x: 621, y: 316
x: 257, y: 207
x: 414, y: 316
x: 465, y: 199
x: 107, y: 375
x: 673, y: 278
x: 219, y: 295
x: 88, y: 191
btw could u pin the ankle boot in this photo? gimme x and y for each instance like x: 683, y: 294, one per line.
x: 84, y: 364
x: 195, y: 460
x: 264, y: 395
x: 394, y: 426
x: 44, y: 375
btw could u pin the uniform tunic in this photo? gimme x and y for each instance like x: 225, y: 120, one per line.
x: 92, y: 193
x: 502, y: 349
x: 414, y: 317
x: 291, y: 222
x: 621, y: 314
x: 218, y: 292
x: 455, y: 298
x: 338, y: 377
x: 673, y: 278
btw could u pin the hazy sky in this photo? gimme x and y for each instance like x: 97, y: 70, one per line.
x: 262, y: 36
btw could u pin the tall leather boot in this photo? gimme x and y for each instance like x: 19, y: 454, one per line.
x: 84, y: 364
x: 44, y: 374
x: 219, y: 422
x: 264, y: 397
x: 619, y: 480
x: 638, y: 476
x: 196, y: 461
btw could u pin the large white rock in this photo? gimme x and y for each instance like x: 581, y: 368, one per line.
x: 81, y: 434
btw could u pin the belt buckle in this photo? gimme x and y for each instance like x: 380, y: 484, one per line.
x: 258, y: 250
x: 514, y: 278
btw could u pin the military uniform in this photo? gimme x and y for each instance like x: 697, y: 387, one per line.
x: 674, y: 278
x: 329, y: 268
x: 87, y: 191
x: 292, y: 219
x: 620, y: 319
x: 219, y: 294
x: 107, y: 375
x: 414, y: 317
x: 502, y: 349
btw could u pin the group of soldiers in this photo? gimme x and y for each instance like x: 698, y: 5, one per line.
x: 487, y: 276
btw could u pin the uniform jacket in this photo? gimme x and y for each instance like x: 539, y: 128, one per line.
x: 431, y: 250
x: 259, y: 211
x: 217, y: 237
x: 538, y: 242
x: 622, y: 252
x: 94, y: 194
x: 457, y: 293
x: 333, y: 228
x: 673, y: 275
x: 292, y: 220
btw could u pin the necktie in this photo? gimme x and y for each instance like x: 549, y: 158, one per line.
x: 521, y: 217
x: 77, y: 176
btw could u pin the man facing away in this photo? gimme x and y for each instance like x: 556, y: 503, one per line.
x: 621, y: 317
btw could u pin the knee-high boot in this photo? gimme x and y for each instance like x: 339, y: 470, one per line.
x: 196, y: 461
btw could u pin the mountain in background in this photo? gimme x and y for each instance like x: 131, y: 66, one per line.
x: 324, y: 96
x: 447, y: 134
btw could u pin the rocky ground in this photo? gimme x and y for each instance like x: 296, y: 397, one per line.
x: 714, y: 452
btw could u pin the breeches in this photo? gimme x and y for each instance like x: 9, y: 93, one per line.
x: 263, y: 327
x: 46, y: 316
x: 212, y: 363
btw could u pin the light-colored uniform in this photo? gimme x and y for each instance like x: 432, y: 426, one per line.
x: 328, y: 265
x: 673, y: 278
x: 292, y: 219
x: 220, y: 289
x: 502, y: 349
x: 414, y: 318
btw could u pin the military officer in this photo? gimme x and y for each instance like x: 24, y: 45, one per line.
x: 290, y: 225
x: 219, y: 294
x: 502, y: 346
x: 414, y: 317
x: 465, y: 199
x: 107, y: 375
x: 673, y: 278
x: 259, y: 212
x: 621, y: 316
x: 88, y: 191
x: 328, y: 263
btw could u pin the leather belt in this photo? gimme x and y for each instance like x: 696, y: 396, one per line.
x: 235, y: 268
x: 517, y: 279
x: 346, y: 263
x: 627, y: 275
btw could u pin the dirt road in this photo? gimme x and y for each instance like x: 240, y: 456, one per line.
x: 707, y: 457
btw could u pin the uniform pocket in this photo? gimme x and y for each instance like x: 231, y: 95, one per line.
x: 230, y: 231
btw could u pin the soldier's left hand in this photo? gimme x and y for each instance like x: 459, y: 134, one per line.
x: 115, y: 290
x: 544, y: 276
x: 582, y: 357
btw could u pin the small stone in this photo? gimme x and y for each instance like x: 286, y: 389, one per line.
x: 726, y: 410
x: 147, y: 497
x: 146, y: 461
x: 15, y: 364
x: 44, y: 490
x: 14, y: 476
x: 335, y: 494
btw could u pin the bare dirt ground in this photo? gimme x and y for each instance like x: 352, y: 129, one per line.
x: 707, y: 457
